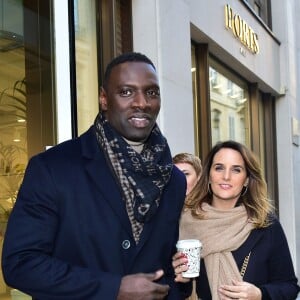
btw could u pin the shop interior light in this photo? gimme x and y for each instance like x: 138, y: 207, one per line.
x: 17, y: 136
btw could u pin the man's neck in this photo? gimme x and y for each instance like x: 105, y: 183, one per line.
x: 137, y: 146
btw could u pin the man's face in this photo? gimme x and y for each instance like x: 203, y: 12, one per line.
x: 131, y: 101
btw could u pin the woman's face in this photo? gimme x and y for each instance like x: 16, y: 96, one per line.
x: 190, y: 174
x: 227, y: 177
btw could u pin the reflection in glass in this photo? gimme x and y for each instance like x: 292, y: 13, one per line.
x: 194, y: 86
x: 27, y: 122
x: 86, y: 63
x: 229, y: 108
x: 13, y: 117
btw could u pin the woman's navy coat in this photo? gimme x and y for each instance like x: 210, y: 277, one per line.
x: 270, y: 265
x: 69, y: 236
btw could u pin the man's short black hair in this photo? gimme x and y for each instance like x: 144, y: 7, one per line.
x: 125, y: 57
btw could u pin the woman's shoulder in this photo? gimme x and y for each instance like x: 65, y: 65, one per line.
x: 272, y: 233
x: 265, y: 238
x: 274, y: 223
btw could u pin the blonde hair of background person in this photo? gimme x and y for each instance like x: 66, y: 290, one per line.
x: 245, y: 253
x: 191, y: 166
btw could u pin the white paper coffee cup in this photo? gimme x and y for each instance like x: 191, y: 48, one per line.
x: 192, y: 249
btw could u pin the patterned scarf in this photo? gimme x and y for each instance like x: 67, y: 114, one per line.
x: 142, y: 176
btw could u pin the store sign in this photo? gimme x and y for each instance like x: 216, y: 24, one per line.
x: 241, y: 30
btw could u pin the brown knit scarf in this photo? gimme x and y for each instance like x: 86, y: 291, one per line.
x: 142, y: 176
x: 220, y: 232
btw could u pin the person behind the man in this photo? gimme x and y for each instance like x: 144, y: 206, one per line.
x: 97, y: 217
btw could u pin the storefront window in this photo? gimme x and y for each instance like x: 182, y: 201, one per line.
x: 262, y: 9
x: 226, y: 107
x: 26, y: 99
x: 229, y: 106
x: 13, y: 117
x: 87, y: 89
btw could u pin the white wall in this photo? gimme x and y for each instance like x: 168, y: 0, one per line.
x: 297, y: 150
x: 286, y: 28
x: 297, y: 155
x: 161, y: 31
x: 62, y: 66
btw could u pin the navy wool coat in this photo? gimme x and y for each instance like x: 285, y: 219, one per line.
x: 270, y: 265
x: 69, y: 236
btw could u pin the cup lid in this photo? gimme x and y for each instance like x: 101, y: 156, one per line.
x: 188, y: 243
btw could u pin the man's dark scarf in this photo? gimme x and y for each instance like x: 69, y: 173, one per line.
x: 141, y: 176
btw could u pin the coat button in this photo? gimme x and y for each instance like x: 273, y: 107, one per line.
x: 126, y: 244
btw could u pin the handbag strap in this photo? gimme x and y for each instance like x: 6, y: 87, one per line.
x: 245, y: 264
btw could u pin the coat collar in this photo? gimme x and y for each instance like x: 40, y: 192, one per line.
x: 100, y: 173
x: 255, y: 235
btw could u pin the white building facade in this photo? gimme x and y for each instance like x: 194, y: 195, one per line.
x: 227, y: 69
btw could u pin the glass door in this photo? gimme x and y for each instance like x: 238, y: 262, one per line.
x: 26, y: 98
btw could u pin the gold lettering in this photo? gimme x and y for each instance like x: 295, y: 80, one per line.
x: 237, y: 26
x: 246, y: 34
x: 241, y: 30
x: 251, y: 36
x: 228, y: 16
x: 255, y: 42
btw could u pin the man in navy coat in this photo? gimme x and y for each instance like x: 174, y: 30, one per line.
x: 97, y: 217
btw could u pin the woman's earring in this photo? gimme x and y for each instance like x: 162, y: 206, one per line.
x: 245, y: 190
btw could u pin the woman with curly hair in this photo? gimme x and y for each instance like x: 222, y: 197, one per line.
x: 245, y: 252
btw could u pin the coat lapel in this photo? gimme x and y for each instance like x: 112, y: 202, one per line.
x: 103, y: 177
x: 243, y: 251
x: 100, y: 173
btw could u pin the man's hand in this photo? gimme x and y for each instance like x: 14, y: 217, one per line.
x: 142, y: 287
